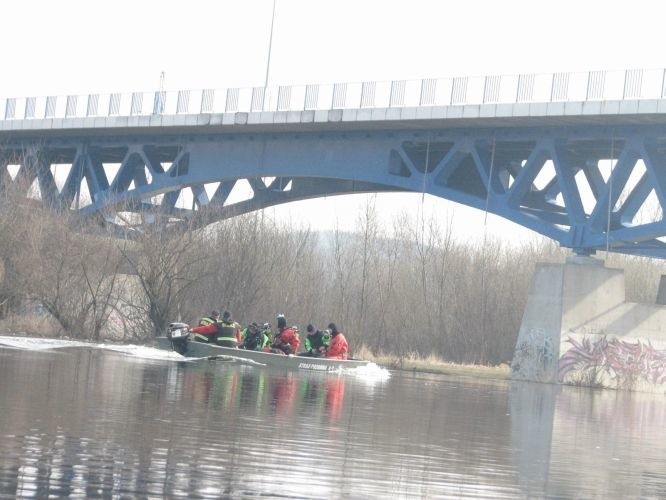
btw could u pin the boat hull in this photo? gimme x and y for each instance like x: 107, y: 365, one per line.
x: 203, y: 350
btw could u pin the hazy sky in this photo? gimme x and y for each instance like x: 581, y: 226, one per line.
x: 75, y: 46
x: 81, y: 46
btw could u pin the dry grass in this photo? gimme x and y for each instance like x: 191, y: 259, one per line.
x: 30, y: 325
x: 433, y: 364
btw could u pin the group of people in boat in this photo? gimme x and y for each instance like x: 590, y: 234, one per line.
x: 224, y: 331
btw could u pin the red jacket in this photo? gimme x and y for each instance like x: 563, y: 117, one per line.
x: 288, y: 336
x: 338, y: 347
x: 207, y: 326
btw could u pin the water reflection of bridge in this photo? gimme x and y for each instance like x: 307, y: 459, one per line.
x: 579, y: 158
x: 568, y: 441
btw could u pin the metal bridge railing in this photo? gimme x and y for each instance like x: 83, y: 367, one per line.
x: 455, y: 91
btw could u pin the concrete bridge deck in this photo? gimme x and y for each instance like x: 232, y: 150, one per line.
x: 558, y: 114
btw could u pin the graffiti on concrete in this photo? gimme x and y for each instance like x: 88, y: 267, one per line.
x: 534, y: 355
x: 625, y: 363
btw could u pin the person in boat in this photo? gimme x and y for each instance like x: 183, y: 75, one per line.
x: 207, y: 329
x: 316, y: 342
x: 286, y: 339
x: 228, y: 334
x: 253, y: 339
x: 338, y: 347
x: 267, y: 330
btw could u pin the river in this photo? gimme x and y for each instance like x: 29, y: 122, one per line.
x: 130, y: 421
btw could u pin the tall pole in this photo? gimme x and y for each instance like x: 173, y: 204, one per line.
x: 268, y: 60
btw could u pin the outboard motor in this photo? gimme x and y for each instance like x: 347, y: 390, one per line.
x: 178, y: 334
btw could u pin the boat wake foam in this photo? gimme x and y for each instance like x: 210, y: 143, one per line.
x: 370, y: 373
x: 40, y: 344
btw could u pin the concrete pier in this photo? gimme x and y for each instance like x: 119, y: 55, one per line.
x: 579, y: 329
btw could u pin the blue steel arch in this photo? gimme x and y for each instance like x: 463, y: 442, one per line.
x: 488, y: 167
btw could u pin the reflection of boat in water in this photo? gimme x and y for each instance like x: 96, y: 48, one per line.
x: 335, y: 396
x: 240, y: 390
x: 178, y: 339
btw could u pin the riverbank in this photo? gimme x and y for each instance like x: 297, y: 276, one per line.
x: 433, y: 364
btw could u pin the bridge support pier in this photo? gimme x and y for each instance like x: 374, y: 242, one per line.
x: 578, y: 329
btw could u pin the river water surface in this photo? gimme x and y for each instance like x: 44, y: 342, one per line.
x: 130, y: 421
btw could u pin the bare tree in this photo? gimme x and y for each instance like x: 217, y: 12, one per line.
x: 167, y: 265
x: 100, y: 273
x: 66, y: 271
x: 368, y: 228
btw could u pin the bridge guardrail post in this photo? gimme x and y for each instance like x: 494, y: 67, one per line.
x: 231, y: 102
x: 114, y: 104
x: 159, y: 102
x: 559, y: 90
x: 525, y: 88
x: 207, y: 100
x: 137, y: 103
x: 368, y: 94
x: 397, y: 93
x: 258, y: 95
x: 91, y: 109
x: 459, y: 90
x: 70, y: 109
x: 50, y: 109
x: 10, y: 108
x: 339, y: 96
x: 633, y: 81
x: 491, y: 89
x: 30, y: 103
x: 284, y: 98
x: 311, y: 97
x: 596, y: 81
x: 428, y: 88
x: 183, y: 103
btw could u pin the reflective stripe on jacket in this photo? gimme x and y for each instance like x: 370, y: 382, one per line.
x: 227, y: 329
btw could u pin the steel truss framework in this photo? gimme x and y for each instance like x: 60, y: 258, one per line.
x: 586, y: 187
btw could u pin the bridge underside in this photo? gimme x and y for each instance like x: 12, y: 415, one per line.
x: 590, y: 187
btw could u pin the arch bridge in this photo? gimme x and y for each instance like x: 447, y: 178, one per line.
x: 579, y: 158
